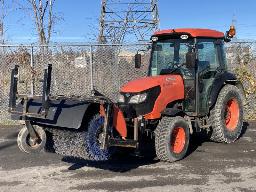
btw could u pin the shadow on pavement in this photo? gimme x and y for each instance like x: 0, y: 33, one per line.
x: 117, y: 164
x: 198, y: 138
x: 244, y: 129
x: 125, y: 162
x: 12, y: 135
x: 9, y: 144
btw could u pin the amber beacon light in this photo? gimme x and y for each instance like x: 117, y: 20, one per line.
x: 232, y: 31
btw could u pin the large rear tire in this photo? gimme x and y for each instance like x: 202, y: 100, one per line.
x: 25, y: 144
x: 92, y: 140
x: 172, y: 139
x: 226, y: 117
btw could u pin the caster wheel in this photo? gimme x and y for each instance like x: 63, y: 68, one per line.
x: 27, y: 145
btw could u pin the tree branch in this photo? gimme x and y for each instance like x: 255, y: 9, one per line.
x: 50, y: 22
x: 43, y: 10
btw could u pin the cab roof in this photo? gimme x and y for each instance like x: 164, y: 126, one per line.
x: 193, y: 32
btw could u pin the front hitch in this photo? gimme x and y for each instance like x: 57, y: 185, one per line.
x: 107, y: 120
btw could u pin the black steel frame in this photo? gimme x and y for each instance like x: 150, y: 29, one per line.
x: 14, y: 94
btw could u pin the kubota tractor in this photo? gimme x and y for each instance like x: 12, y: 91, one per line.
x: 188, y: 89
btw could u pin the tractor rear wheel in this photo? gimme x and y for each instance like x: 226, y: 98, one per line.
x: 93, y: 140
x: 226, y: 117
x: 172, y: 139
x: 27, y: 145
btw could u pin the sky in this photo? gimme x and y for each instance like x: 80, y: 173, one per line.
x: 80, y: 18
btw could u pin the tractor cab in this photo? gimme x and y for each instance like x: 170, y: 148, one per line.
x: 197, y: 55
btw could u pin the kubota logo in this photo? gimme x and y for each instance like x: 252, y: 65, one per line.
x: 170, y: 79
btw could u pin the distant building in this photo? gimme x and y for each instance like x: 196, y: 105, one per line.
x: 80, y: 62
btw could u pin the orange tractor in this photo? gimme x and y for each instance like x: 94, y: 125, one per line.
x: 188, y: 89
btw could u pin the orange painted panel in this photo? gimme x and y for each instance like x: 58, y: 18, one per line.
x: 172, y: 89
x: 119, y: 122
x: 194, y: 32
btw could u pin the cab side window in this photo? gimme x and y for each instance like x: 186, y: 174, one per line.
x: 207, y: 55
x: 223, y: 55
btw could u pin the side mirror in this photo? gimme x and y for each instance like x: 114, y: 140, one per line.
x: 137, y: 61
x: 190, y: 60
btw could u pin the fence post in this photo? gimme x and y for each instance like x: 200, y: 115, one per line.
x: 91, y: 71
x: 118, y: 67
x: 32, y: 89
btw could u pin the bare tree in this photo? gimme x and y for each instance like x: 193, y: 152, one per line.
x: 2, y: 16
x: 43, y: 18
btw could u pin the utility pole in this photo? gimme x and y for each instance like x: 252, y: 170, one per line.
x: 2, y: 12
x: 234, y: 23
x: 129, y: 20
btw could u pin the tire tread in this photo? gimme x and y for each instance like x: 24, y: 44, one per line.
x: 216, y: 121
x: 161, y: 133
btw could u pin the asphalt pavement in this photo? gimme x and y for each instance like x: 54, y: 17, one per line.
x: 208, y: 167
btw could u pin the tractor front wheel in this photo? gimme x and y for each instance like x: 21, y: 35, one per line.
x: 27, y: 145
x: 227, y: 115
x: 94, y: 138
x: 172, y: 139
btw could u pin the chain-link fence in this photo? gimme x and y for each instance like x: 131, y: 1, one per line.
x: 79, y: 69
x: 242, y: 60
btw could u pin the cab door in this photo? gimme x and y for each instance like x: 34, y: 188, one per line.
x: 208, y: 67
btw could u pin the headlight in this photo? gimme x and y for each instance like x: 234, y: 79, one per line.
x: 120, y: 98
x: 138, y: 98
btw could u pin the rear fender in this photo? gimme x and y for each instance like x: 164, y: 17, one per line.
x: 225, y: 78
x: 241, y: 88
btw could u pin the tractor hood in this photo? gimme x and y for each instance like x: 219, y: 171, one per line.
x: 142, y: 84
x: 161, y: 90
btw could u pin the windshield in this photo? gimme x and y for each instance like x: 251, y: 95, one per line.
x: 167, y: 54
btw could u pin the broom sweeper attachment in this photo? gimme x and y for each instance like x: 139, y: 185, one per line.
x: 74, y: 126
